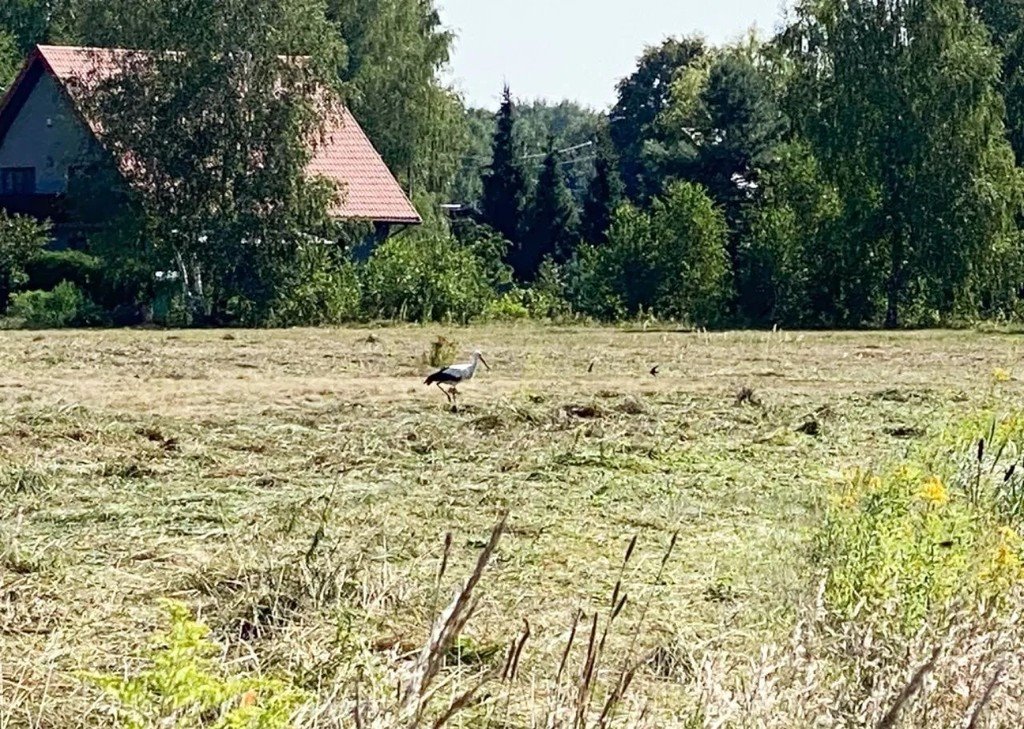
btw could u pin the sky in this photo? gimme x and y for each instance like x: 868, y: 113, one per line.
x: 578, y: 49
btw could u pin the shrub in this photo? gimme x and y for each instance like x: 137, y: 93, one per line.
x: 442, y: 352
x: 426, y: 277
x: 50, y: 268
x: 900, y: 545
x: 323, y: 289
x: 671, y: 261
x: 21, y: 239
x: 544, y: 299
x: 65, y: 306
x: 507, y: 307
x: 184, y: 686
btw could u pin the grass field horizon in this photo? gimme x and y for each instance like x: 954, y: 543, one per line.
x: 295, y: 488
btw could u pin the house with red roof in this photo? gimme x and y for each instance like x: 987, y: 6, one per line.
x: 44, y: 135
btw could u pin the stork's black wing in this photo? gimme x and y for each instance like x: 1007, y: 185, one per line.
x: 443, y: 376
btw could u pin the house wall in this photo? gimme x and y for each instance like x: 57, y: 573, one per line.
x: 46, y: 135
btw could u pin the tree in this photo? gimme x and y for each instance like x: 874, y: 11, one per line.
x: 903, y: 110
x: 213, y: 131
x: 552, y: 221
x: 670, y: 261
x: 395, y: 52
x: 10, y: 60
x: 642, y: 97
x: 720, y: 128
x: 567, y: 126
x: 1004, y: 18
x: 28, y: 21
x: 1005, y: 21
x: 691, y: 238
x: 505, y: 191
x: 789, y: 275
x: 568, y: 123
x: 21, y: 239
x: 604, y: 193
x: 469, y: 186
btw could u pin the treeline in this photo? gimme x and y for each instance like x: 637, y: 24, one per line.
x: 860, y: 168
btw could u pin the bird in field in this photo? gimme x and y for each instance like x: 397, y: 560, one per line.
x: 654, y: 370
x: 455, y: 375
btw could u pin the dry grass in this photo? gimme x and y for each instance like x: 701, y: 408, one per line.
x: 296, y: 488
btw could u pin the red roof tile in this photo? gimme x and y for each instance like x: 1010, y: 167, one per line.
x: 368, y: 189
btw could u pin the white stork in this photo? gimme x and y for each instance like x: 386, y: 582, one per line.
x: 455, y: 375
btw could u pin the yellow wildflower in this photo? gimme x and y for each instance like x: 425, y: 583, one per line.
x: 1004, y: 566
x: 934, y: 492
x: 1006, y: 558
x: 1000, y: 375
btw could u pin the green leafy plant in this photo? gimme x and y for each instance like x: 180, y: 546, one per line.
x: 50, y: 268
x: 182, y: 686
x: 65, y: 306
x: 671, y: 261
x: 21, y: 239
x: 321, y: 289
x: 426, y: 277
x: 901, y: 545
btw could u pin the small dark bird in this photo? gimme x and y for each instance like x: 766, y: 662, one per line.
x: 948, y: 544
x: 654, y: 370
x: 591, y: 367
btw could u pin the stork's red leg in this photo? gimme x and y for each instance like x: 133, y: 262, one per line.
x: 444, y: 391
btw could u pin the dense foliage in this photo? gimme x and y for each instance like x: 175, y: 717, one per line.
x: 860, y: 168
x: 21, y: 239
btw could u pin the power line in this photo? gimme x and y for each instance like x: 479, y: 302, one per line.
x: 559, y: 151
x: 487, y: 160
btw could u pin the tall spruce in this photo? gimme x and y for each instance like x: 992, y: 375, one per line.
x: 553, y: 222
x: 504, y: 198
x: 604, y: 193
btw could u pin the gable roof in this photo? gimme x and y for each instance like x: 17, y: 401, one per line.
x: 368, y: 189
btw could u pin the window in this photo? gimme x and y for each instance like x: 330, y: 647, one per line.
x: 17, y: 180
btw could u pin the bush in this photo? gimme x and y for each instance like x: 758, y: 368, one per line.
x: 507, y: 307
x: 544, y: 299
x: 50, y: 268
x: 903, y: 545
x: 65, y: 306
x: 323, y: 289
x: 671, y: 262
x: 426, y: 277
x: 21, y: 239
x: 184, y: 685
x: 785, y: 275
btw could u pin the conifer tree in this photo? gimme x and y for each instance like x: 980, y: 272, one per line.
x: 604, y: 193
x: 553, y: 222
x: 505, y: 182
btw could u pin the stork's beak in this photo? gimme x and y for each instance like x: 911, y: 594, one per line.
x: 485, y: 362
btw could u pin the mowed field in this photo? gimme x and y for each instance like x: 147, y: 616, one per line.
x: 295, y: 489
